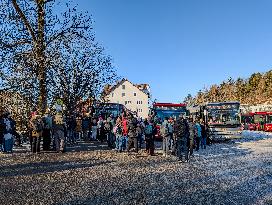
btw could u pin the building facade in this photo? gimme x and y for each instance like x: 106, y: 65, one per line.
x: 134, y: 97
x: 256, y: 108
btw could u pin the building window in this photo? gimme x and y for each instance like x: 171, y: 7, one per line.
x: 123, y: 94
x: 135, y: 94
x: 112, y: 94
x: 123, y: 87
x: 126, y: 102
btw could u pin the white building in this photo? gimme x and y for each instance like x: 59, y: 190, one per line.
x: 134, y: 97
x: 256, y: 108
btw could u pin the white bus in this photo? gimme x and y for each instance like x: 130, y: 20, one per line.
x: 223, y: 119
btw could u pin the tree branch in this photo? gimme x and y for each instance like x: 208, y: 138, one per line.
x: 24, y: 19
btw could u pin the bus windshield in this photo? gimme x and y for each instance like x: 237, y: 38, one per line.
x: 269, y: 119
x: 259, y: 118
x: 223, y: 114
x: 247, y: 119
x: 110, y: 109
x: 173, y: 112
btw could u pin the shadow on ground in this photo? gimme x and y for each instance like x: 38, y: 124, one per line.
x: 28, y: 169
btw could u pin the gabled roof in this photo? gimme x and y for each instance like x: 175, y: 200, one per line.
x: 142, y: 87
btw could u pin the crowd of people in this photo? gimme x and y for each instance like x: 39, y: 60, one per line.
x: 125, y: 133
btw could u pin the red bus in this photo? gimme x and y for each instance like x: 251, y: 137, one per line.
x: 260, y: 121
x: 268, y: 122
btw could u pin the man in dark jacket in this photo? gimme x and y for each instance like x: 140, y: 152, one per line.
x: 203, y: 140
x: 132, y: 134
x: 71, y: 128
x: 192, y: 135
x: 2, y: 130
x: 85, y: 127
x: 181, y: 132
x: 150, y: 131
x: 47, y: 129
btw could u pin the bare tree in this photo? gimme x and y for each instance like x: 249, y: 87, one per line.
x: 30, y: 31
x: 83, y: 70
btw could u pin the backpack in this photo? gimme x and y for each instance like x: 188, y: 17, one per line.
x: 7, y: 124
x: 134, y: 121
x: 164, y: 129
x: 107, y: 127
x: 191, y: 130
x: 117, y: 130
x: 180, y: 128
x: 170, y: 128
x: 47, y: 123
x: 148, y: 129
x: 198, y: 130
x: 59, y: 119
x: 37, y: 125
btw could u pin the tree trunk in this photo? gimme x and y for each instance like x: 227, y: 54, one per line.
x: 40, y: 49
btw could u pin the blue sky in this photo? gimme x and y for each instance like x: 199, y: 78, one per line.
x: 180, y: 46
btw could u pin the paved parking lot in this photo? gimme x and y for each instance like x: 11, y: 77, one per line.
x: 237, y: 172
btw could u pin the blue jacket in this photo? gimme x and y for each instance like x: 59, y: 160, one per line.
x: 198, y: 128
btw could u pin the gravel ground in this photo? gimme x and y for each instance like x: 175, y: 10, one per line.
x: 237, y: 172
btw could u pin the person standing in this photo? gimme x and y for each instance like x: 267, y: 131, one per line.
x: 182, y: 136
x: 125, y: 132
x: 85, y: 127
x: 46, y: 133
x: 166, y: 137
x: 203, y: 139
x: 150, y: 132
x: 108, y: 128
x: 132, y: 135
x: 2, y: 130
x: 118, y: 135
x: 79, y: 128
x: 59, y: 127
x: 101, y: 130
x: 36, y: 126
x: 139, y: 132
x: 9, y: 129
x: 71, y: 126
x: 209, y: 139
x: 198, y: 134
x: 94, y: 129
x: 111, y: 121
x: 171, y: 129
x: 192, y: 136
